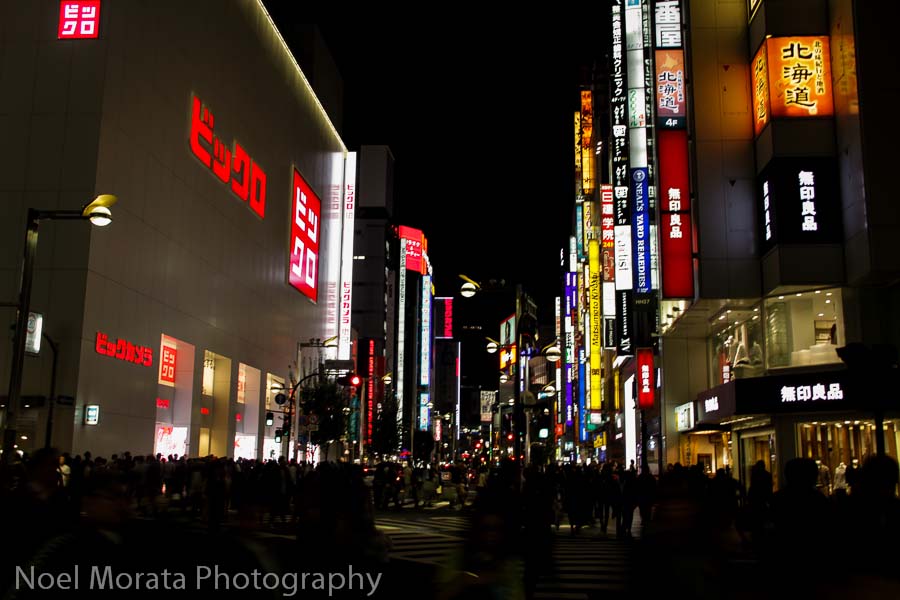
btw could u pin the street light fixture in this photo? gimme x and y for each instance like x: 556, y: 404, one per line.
x: 98, y: 213
x: 492, y: 345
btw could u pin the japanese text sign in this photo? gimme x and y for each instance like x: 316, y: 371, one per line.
x: 675, y: 209
x: 233, y: 166
x: 123, y: 350
x: 79, y: 19
x: 792, y: 78
x: 304, y: 250
x: 646, y: 377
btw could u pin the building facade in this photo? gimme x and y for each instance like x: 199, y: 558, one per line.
x: 795, y: 253
x: 179, y: 323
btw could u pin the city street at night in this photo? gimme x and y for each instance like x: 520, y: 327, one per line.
x: 588, y: 303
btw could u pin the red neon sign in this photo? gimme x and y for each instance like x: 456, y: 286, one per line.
x: 248, y: 180
x: 645, y: 373
x: 79, y: 19
x: 162, y: 403
x: 167, y: 365
x: 123, y: 350
x: 303, y: 274
x: 238, y: 417
x: 204, y: 410
x: 415, y: 243
x: 675, y: 203
x: 607, y: 232
x: 448, y: 318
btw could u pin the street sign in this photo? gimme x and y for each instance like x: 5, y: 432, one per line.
x: 33, y: 333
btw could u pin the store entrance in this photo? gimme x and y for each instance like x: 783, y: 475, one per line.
x: 758, y: 446
x: 841, y: 447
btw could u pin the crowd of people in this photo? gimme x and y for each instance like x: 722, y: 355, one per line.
x: 62, y: 502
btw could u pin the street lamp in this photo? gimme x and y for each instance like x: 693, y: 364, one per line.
x: 98, y: 213
x: 492, y: 345
x: 525, y: 307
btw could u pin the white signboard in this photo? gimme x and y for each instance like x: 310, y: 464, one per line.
x: 33, y: 333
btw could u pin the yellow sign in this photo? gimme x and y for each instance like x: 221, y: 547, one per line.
x: 587, y: 142
x: 600, y: 440
x: 792, y: 78
x: 507, y: 356
x: 578, y: 152
x: 596, y: 320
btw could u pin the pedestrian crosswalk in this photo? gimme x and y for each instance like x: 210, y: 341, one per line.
x: 585, y: 567
x: 428, y: 541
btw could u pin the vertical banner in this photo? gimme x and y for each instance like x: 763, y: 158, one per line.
x: 349, y: 210
x: 675, y: 208
x: 579, y: 229
x: 425, y: 354
x: 596, y: 317
x: 570, y: 342
x: 577, y: 154
x: 582, y: 396
x: 641, y: 231
x: 608, y: 263
x: 560, y: 337
x: 620, y: 180
x: 401, y: 334
x: 587, y: 143
x: 646, y: 378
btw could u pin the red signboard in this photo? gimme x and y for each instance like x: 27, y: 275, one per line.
x: 646, y: 378
x: 608, y: 232
x: 162, y: 403
x: 79, y: 19
x: 167, y: 365
x: 247, y: 179
x: 677, y: 263
x: 304, y: 259
x: 415, y: 244
x: 123, y: 350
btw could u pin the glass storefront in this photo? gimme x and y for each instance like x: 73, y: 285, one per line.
x: 711, y: 449
x: 804, y: 328
x: 841, y: 447
x: 756, y: 446
x: 736, y: 346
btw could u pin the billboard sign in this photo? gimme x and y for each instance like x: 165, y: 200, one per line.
x: 303, y: 273
x: 676, y: 243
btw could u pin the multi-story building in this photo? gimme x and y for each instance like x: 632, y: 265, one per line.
x: 784, y: 158
x: 176, y: 325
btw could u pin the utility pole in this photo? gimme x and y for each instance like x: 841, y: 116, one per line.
x: 52, y: 399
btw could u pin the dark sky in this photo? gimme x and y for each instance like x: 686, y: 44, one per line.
x: 478, y: 115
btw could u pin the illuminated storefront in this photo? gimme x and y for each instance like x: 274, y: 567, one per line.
x: 821, y: 416
x: 226, y: 243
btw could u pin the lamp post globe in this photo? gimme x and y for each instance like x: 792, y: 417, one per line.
x: 467, y: 290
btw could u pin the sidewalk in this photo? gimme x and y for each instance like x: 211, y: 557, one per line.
x: 689, y: 556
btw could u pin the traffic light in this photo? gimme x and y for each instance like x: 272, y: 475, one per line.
x: 270, y: 419
x: 509, y: 436
x: 351, y: 379
x: 277, y: 436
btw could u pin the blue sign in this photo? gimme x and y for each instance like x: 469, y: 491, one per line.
x: 640, y: 223
x: 579, y: 230
x: 582, y: 399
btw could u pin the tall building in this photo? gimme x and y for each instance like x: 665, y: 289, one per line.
x: 176, y: 325
x: 373, y: 314
x: 794, y: 252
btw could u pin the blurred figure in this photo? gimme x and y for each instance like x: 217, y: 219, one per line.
x: 486, y: 567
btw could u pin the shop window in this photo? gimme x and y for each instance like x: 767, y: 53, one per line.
x: 736, y: 345
x: 804, y: 328
x: 757, y: 447
x: 841, y: 447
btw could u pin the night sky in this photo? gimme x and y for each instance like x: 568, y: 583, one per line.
x: 479, y: 118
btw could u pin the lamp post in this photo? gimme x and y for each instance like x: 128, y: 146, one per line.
x: 98, y: 213
x: 525, y: 308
